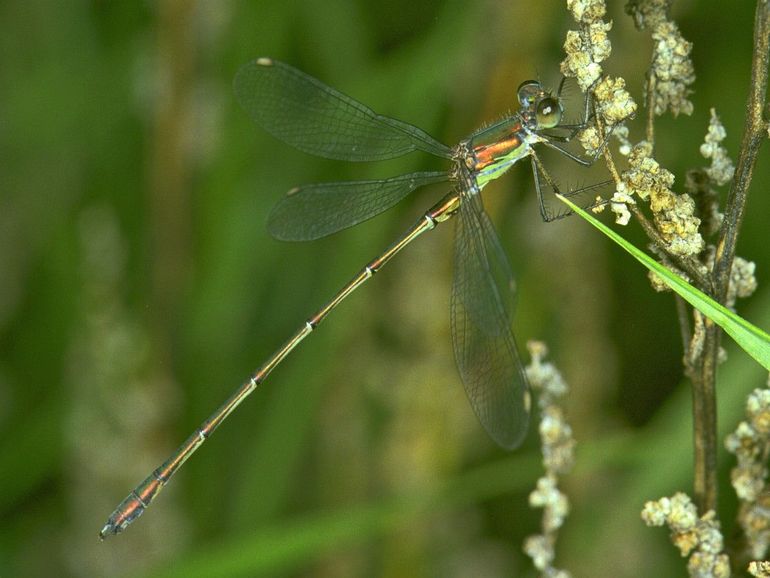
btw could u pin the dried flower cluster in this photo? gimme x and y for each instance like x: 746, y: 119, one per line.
x: 558, y: 446
x: 674, y: 214
x: 699, y: 186
x: 671, y: 71
x: 760, y: 569
x: 613, y: 102
x: 700, y: 182
x: 750, y: 443
x: 722, y: 169
x: 684, y: 216
x: 697, y: 537
x: 743, y: 283
x: 648, y: 13
x: 587, y: 47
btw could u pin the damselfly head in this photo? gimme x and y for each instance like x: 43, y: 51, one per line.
x: 540, y: 104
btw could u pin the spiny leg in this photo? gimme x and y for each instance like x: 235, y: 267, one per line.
x: 587, y: 101
x: 573, y: 129
x: 538, y: 169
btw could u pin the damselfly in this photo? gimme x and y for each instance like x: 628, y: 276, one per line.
x: 319, y: 120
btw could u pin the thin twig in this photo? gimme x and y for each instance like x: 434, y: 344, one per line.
x: 704, y: 410
x: 606, y: 153
x: 650, y: 130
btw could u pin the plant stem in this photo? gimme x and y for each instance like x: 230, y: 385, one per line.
x: 650, y: 124
x: 704, y: 408
x: 683, y: 314
x: 704, y: 380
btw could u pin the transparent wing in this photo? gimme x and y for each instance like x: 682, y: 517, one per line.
x: 485, y: 349
x: 498, y: 262
x: 313, y: 211
x: 305, y: 113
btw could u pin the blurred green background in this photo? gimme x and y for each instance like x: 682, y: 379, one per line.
x: 138, y: 288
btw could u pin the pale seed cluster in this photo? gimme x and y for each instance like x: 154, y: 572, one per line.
x: 587, y: 47
x: 540, y: 549
x: 674, y: 214
x: 697, y: 537
x: 648, y: 13
x: 591, y: 139
x: 557, y: 445
x: 750, y: 443
x: 759, y: 569
x: 613, y: 102
x: 671, y: 69
x: 699, y: 186
x: 722, y: 169
x: 700, y: 183
x: 555, y: 504
x: 743, y: 281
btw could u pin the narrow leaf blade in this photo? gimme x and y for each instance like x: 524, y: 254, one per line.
x: 750, y: 337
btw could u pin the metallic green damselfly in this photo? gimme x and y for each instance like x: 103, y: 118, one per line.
x: 314, y: 118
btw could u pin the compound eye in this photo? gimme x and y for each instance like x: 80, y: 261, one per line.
x: 548, y: 112
x: 528, y: 92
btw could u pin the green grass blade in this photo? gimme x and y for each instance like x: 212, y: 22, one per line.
x: 750, y: 337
